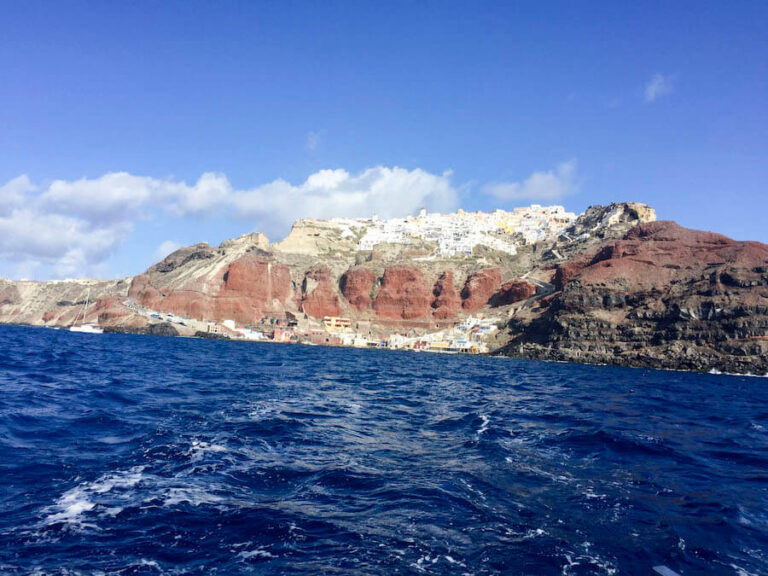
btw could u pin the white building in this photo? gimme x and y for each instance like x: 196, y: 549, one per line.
x: 460, y: 232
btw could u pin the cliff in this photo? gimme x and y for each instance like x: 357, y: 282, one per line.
x: 662, y: 296
x: 609, y: 286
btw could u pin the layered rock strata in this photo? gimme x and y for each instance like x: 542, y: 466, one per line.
x: 613, y: 287
x: 662, y: 296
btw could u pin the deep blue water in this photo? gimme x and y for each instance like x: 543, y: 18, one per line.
x: 143, y: 455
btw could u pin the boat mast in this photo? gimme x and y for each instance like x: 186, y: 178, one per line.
x: 85, y: 306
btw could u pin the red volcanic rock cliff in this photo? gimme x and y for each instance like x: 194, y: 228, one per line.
x: 356, y: 286
x: 251, y: 288
x: 447, y: 302
x: 626, y: 291
x: 318, y: 298
x: 479, y: 288
x: 658, y: 253
x: 513, y: 291
x: 662, y: 296
x: 404, y: 294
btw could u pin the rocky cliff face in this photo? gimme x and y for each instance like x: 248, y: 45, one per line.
x: 357, y: 287
x: 512, y: 292
x: 446, y: 300
x: 318, y: 296
x: 662, y: 296
x: 479, y: 288
x: 613, y: 287
x: 404, y: 294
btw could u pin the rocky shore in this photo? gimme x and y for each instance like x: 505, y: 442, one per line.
x: 613, y: 286
x: 661, y: 297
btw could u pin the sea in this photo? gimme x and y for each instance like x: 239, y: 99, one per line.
x: 123, y: 454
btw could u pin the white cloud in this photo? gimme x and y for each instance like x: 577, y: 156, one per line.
x: 72, y: 227
x: 121, y: 196
x: 539, y: 186
x: 13, y: 194
x: 658, y: 86
x: 384, y: 191
x: 113, y: 197
x: 68, y: 244
x: 164, y: 249
x: 210, y: 192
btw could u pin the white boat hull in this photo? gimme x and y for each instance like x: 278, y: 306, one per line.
x: 87, y: 328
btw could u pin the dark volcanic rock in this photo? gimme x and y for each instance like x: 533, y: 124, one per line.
x: 158, y: 329
x: 663, y: 296
x: 162, y: 329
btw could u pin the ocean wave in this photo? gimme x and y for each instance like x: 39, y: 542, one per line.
x: 126, y: 455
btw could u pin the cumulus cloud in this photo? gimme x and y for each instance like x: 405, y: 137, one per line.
x: 72, y: 227
x: 70, y: 245
x: 386, y: 192
x: 121, y: 196
x: 14, y: 193
x: 659, y: 85
x: 539, y: 186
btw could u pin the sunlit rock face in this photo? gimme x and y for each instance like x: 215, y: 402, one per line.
x: 318, y: 297
x: 662, y: 296
x: 479, y: 288
x: 609, y: 286
x: 447, y: 302
x: 404, y: 294
x: 356, y: 286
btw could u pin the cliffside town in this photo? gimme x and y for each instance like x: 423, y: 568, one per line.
x: 611, y: 285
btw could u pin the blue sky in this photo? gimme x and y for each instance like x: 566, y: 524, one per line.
x: 129, y: 128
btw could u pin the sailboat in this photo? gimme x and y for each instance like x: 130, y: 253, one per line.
x: 89, y: 328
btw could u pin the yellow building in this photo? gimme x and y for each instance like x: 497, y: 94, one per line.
x: 336, y: 324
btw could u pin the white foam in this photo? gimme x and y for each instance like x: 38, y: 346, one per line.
x: 200, y: 448
x: 484, y: 426
x: 257, y: 553
x: 194, y: 496
x: 71, y: 506
x: 592, y: 495
x: 120, y: 480
x: 741, y: 572
x: 603, y: 566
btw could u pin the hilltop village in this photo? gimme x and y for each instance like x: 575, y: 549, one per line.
x: 447, y: 237
x: 610, y: 285
x: 431, y: 282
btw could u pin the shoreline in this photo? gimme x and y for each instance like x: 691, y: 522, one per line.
x: 492, y: 354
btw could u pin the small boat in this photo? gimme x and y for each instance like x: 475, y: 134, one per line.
x: 89, y: 328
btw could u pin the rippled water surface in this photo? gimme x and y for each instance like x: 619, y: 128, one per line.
x: 143, y: 455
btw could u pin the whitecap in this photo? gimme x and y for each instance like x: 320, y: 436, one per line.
x: 256, y: 553
x: 71, y: 506
x: 484, y: 426
x: 200, y: 448
x: 741, y: 571
x: 193, y: 496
